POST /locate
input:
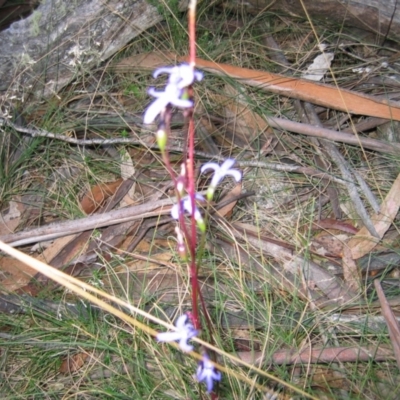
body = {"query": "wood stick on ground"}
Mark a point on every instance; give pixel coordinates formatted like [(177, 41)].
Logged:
[(344, 168), (278, 123), (393, 325), (330, 285), (307, 114), (320, 355), (59, 229), (320, 158)]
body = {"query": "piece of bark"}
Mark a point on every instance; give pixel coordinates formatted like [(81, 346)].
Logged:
[(317, 93), (45, 51)]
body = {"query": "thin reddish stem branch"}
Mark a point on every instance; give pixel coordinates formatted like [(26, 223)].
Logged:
[(190, 172), (192, 33)]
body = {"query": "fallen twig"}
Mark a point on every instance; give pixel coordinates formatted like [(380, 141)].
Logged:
[(342, 164), (59, 229), (278, 123), (325, 355), (327, 283), (392, 324)]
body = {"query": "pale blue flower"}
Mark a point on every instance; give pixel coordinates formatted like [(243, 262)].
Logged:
[(187, 206), (184, 332), (180, 77), (207, 372), (220, 172), (171, 95)]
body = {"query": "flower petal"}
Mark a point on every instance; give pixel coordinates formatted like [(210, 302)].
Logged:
[(154, 109), (163, 70), (169, 336), (228, 164), (184, 346), (208, 166), (182, 321), (181, 103), (198, 75), (235, 174), (175, 211), (207, 372)]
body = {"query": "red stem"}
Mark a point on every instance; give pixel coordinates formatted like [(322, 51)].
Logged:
[(190, 173), (193, 236), (192, 33)]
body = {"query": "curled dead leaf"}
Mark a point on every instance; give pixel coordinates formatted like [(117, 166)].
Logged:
[(97, 195), (73, 363)]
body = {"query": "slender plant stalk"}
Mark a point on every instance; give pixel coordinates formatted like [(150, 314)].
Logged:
[(190, 172)]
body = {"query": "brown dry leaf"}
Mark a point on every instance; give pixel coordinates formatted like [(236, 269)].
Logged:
[(329, 243), (364, 242), (9, 221), (14, 274), (149, 263), (73, 363), (51, 251), (149, 60), (97, 195), (351, 272), (317, 93), (227, 210), (324, 376), (145, 246), (331, 223)]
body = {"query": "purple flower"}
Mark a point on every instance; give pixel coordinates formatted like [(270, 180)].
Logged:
[(187, 206), (171, 95), (180, 77), (220, 172), (207, 372), (184, 332)]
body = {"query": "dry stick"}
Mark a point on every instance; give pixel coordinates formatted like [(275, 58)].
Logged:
[(368, 192), (319, 355), (392, 324), (106, 142), (342, 164), (59, 229), (326, 282), (320, 158), (307, 113), (278, 123), (303, 128)]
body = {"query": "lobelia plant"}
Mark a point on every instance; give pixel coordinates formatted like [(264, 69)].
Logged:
[(178, 92)]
